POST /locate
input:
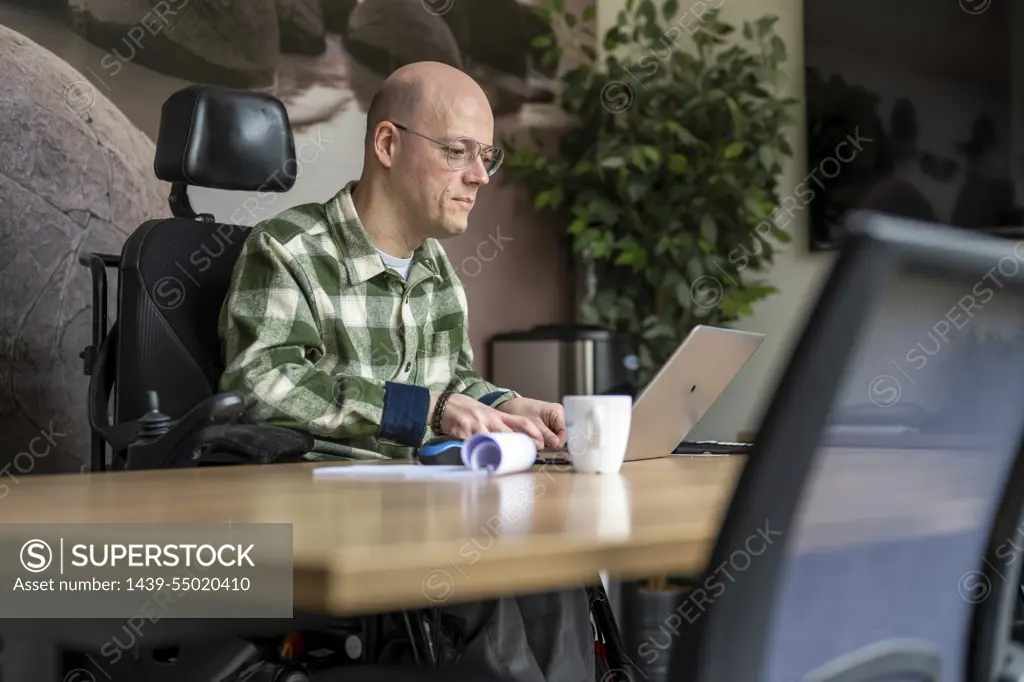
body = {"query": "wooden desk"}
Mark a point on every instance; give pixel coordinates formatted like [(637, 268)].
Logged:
[(368, 546)]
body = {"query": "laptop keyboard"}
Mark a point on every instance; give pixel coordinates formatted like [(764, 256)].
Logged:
[(553, 455), (686, 446)]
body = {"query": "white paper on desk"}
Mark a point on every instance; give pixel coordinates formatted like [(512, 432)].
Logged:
[(400, 472), (488, 454), (499, 453)]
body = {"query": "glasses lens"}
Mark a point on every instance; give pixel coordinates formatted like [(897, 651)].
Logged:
[(464, 151), (497, 155)]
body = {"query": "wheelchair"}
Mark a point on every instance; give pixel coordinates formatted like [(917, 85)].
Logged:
[(159, 364)]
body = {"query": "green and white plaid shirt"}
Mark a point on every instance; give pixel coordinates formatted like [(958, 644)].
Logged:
[(320, 336)]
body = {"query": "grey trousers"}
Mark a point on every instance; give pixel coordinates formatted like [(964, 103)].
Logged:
[(544, 637)]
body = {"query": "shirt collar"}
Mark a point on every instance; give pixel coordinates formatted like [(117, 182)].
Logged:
[(359, 256)]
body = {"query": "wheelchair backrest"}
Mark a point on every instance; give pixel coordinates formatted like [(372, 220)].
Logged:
[(174, 276), (175, 272)]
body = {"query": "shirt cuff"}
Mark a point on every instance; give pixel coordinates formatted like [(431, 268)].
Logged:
[(498, 397), (405, 413)]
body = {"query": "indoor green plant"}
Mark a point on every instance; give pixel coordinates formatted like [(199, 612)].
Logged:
[(670, 168)]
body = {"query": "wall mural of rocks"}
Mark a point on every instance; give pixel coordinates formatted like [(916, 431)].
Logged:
[(81, 86), (76, 177)]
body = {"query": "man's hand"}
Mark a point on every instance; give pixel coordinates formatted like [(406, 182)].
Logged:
[(548, 418), (465, 417)]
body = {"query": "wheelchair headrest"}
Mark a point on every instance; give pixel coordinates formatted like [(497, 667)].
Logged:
[(225, 139)]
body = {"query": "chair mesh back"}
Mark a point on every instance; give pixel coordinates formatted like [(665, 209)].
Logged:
[(892, 527), (175, 275)]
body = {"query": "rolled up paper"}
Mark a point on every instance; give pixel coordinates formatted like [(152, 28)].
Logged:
[(499, 453)]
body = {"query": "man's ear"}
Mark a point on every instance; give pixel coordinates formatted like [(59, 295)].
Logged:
[(385, 143)]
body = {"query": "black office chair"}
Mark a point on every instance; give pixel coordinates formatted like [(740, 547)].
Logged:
[(161, 359), (856, 554)]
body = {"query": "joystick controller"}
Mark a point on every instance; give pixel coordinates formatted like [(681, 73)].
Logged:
[(154, 424), (161, 442)]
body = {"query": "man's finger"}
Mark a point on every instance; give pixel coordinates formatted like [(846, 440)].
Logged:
[(493, 425), (529, 427), (550, 439), (555, 418), (525, 425)]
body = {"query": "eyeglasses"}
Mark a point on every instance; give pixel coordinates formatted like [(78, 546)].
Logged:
[(464, 151)]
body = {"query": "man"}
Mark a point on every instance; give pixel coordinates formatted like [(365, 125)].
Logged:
[(347, 320)]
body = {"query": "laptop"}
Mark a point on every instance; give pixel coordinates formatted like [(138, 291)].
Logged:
[(682, 391)]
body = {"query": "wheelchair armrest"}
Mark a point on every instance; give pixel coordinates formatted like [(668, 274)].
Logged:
[(175, 447)]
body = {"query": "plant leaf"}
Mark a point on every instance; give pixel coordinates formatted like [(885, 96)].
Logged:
[(708, 229), (577, 226), (734, 149), (677, 164)]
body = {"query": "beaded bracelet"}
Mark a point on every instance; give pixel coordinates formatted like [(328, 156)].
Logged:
[(442, 401)]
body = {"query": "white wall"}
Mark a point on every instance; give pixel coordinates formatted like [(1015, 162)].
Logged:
[(797, 273)]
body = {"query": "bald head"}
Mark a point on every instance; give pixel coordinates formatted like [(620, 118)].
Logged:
[(423, 156), (422, 94)]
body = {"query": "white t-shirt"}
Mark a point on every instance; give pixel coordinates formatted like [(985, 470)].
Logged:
[(402, 265)]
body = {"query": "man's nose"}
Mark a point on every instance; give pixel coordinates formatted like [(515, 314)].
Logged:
[(477, 172)]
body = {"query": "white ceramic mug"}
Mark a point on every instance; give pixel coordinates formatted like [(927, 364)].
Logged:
[(597, 430)]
